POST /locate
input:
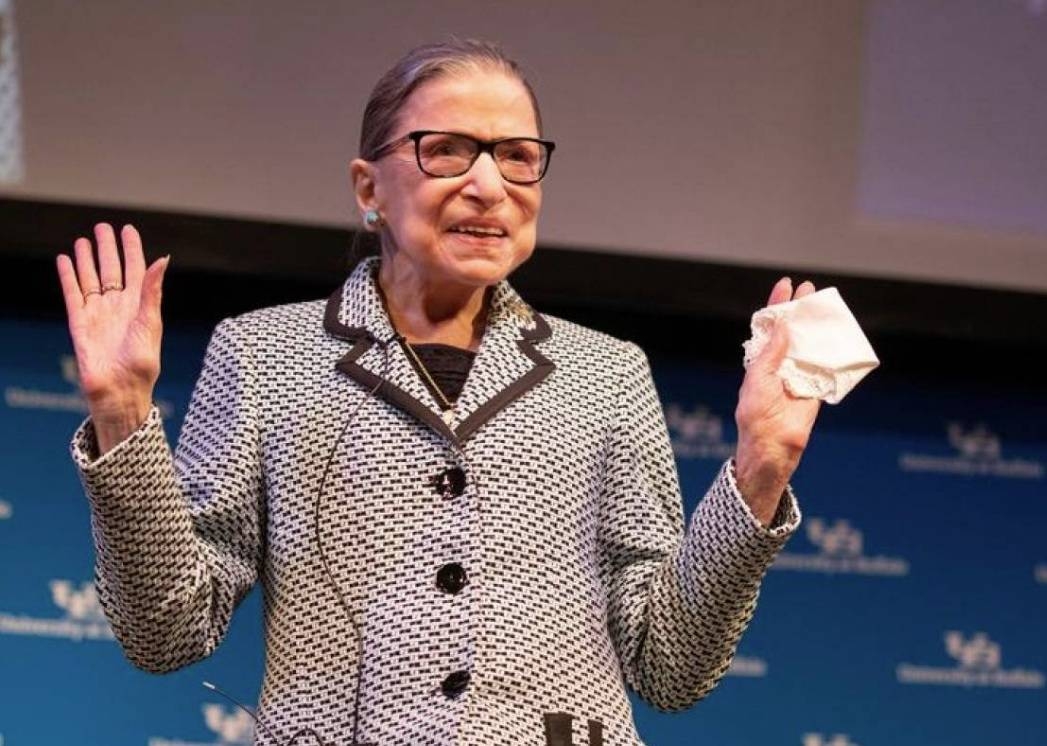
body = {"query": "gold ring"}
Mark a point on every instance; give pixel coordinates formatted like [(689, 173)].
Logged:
[(112, 286)]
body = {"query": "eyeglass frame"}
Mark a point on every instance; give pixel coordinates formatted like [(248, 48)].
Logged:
[(483, 146)]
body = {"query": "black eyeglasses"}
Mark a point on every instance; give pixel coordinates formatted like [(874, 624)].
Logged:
[(520, 160)]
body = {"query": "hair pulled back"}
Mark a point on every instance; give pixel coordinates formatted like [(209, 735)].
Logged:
[(421, 65)]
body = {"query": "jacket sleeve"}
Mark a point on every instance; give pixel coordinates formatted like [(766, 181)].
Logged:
[(178, 537), (678, 601)]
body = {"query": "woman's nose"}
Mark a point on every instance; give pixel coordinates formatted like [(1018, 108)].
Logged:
[(484, 181)]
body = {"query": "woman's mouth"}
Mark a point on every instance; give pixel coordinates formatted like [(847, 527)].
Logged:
[(478, 230)]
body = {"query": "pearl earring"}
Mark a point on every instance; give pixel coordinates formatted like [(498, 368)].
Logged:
[(372, 219)]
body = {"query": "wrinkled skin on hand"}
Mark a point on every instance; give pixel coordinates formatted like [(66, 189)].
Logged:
[(116, 328), (774, 426)]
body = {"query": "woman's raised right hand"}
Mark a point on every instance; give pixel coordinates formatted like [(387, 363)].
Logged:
[(115, 325)]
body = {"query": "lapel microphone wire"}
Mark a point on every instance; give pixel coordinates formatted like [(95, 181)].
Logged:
[(317, 510), (318, 505)]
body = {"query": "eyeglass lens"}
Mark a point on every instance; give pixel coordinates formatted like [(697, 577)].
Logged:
[(441, 154)]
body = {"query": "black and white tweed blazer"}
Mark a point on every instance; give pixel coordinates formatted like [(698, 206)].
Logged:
[(499, 578)]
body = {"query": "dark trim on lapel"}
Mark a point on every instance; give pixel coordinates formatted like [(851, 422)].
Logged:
[(363, 341), (543, 366), (334, 325), (389, 391)]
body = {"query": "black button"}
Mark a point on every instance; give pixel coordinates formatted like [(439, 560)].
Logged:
[(455, 683), (450, 483), (451, 578)]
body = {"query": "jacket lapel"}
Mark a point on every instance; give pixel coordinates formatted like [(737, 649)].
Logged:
[(506, 366), (377, 360)]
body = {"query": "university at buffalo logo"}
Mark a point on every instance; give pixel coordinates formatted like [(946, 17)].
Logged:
[(697, 433), (979, 652), (975, 443), (67, 400), (83, 618), (837, 739), (747, 666), (976, 451), (840, 552), (80, 603), (978, 664), (840, 539), (231, 726)]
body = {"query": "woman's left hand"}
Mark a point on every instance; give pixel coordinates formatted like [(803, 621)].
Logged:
[(773, 425)]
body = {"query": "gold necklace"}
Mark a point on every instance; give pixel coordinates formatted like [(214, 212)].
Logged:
[(445, 404)]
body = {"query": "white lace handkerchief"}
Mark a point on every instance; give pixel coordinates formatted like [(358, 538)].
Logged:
[(828, 353)]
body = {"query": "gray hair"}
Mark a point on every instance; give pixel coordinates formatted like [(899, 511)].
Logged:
[(423, 64)]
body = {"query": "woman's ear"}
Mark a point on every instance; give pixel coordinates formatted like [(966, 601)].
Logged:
[(362, 174)]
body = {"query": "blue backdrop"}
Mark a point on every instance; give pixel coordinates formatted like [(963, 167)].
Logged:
[(908, 610)]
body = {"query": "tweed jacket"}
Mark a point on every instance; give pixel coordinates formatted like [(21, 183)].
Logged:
[(499, 576)]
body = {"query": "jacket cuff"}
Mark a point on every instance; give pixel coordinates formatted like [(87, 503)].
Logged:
[(727, 546), (118, 470), (84, 445), (786, 518)]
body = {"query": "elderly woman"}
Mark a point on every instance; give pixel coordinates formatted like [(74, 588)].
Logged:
[(465, 515)]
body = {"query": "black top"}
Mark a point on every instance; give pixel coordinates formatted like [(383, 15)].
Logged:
[(449, 366)]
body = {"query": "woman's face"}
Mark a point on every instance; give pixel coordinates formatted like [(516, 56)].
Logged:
[(427, 218)]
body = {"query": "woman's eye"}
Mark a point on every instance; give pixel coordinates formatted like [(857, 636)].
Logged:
[(446, 148), (520, 155), (439, 148)]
